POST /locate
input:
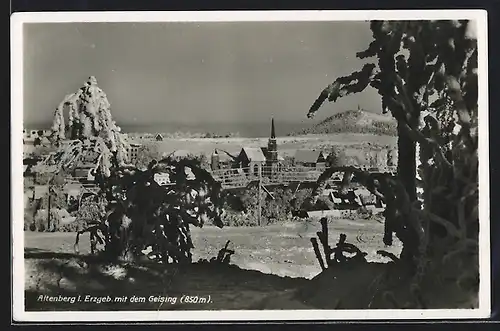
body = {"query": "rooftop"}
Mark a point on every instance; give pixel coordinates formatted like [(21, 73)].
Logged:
[(308, 156), (254, 154)]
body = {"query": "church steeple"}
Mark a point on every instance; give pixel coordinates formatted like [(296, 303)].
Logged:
[(272, 146), (273, 133)]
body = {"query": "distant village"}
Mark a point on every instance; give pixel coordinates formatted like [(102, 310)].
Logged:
[(261, 161)]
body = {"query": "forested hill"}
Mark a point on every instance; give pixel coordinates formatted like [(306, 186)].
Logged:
[(353, 121)]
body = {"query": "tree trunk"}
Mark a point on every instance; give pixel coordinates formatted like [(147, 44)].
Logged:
[(407, 165), (407, 173), (119, 246)]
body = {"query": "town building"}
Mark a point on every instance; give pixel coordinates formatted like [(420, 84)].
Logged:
[(310, 158), (132, 151), (256, 161), (221, 159), (162, 179), (273, 159), (215, 163), (159, 137), (252, 159)]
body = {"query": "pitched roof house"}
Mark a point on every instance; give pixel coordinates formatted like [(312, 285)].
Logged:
[(253, 158), (308, 157), (251, 154)]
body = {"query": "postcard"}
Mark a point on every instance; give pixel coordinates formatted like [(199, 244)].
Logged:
[(250, 166)]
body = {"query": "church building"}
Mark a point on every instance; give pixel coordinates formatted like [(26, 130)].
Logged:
[(257, 161), (272, 165)]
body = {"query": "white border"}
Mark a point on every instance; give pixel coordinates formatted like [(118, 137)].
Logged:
[(17, 20)]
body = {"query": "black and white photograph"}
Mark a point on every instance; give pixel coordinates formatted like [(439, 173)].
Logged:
[(225, 166)]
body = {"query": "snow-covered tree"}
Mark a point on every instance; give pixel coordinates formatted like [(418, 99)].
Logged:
[(89, 117), (426, 75), (140, 213)]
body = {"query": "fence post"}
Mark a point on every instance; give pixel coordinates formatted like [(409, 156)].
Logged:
[(259, 197), (48, 211)]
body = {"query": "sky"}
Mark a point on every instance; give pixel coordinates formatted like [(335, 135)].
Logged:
[(188, 72)]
